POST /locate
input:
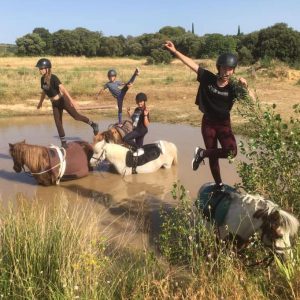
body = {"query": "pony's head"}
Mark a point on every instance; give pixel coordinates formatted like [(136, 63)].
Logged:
[(277, 229), (111, 135), (99, 153), (15, 151)]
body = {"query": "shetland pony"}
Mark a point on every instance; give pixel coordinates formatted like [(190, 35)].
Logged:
[(248, 214), (116, 155), (49, 165)]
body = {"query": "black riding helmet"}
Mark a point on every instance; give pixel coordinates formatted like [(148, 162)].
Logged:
[(140, 97), (227, 60), (43, 63), (111, 73)]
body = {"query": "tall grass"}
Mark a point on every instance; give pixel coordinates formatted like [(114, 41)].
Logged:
[(58, 252)]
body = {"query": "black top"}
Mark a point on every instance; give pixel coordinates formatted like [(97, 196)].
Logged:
[(214, 101), (53, 89), (138, 118)]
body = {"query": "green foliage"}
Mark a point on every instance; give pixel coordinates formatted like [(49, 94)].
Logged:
[(172, 32), (159, 56), (245, 56), (215, 44), (278, 41), (31, 45), (273, 154)]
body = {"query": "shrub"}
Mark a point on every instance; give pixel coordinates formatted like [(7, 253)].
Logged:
[(159, 56), (273, 154)]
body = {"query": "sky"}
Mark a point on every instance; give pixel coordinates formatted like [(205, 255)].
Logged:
[(135, 17)]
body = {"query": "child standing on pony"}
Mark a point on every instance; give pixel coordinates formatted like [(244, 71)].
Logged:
[(215, 98), (60, 99), (114, 86)]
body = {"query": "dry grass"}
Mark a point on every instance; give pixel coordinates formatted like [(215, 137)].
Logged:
[(171, 88)]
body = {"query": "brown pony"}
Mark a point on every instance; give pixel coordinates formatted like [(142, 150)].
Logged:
[(44, 162), (114, 134)]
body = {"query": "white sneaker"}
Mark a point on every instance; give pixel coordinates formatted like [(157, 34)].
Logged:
[(139, 152)]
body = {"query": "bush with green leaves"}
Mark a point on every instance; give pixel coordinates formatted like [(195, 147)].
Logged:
[(272, 152), (159, 56)]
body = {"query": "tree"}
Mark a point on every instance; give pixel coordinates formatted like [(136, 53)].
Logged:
[(278, 41), (172, 32), (31, 45), (46, 36), (189, 44), (65, 42), (215, 44), (111, 46), (159, 56)]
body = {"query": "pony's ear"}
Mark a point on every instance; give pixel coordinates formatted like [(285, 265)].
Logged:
[(260, 213), (10, 145), (23, 142)]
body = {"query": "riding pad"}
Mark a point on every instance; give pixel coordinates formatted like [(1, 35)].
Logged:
[(126, 128), (151, 152), (77, 164), (214, 204)]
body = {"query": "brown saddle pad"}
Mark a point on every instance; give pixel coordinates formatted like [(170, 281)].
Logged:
[(126, 128)]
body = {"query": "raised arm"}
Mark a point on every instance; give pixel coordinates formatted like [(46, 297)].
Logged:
[(186, 60)]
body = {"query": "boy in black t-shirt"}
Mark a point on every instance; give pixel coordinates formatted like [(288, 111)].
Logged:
[(215, 98), (140, 121), (60, 99)]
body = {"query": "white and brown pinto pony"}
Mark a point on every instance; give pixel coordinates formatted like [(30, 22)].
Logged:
[(49, 165), (248, 214), (116, 155)]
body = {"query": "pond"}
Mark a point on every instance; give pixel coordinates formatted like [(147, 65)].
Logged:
[(119, 199)]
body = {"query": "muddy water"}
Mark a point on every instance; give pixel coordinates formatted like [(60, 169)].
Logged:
[(118, 199)]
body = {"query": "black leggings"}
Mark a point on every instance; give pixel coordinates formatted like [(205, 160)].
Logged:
[(121, 96), (58, 106), (212, 131), (135, 138)]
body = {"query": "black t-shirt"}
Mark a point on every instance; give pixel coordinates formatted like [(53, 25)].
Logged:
[(53, 89), (138, 118), (214, 101)]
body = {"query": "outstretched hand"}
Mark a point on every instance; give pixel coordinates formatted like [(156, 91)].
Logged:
[(170, 46)]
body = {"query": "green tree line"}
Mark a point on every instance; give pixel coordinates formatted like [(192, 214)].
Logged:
[(275, 42)]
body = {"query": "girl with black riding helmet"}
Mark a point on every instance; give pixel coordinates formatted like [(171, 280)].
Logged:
[(60, 99), (215, 98), (140, 121), (118, 89)]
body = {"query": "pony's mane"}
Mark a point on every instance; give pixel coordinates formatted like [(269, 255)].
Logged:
[(31, 155), (288, 221)]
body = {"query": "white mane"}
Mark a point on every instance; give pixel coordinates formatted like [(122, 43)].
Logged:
[(289, 222)]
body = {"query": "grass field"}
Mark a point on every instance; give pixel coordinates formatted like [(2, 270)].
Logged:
[(171, 89)]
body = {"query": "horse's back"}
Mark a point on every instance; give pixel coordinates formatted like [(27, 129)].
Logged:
[(77, 165), (171, 149)]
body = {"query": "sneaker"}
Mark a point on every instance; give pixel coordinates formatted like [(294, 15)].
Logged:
[(219, 188), (139, 152), (64, 144), (198, 158), (95, 128)]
